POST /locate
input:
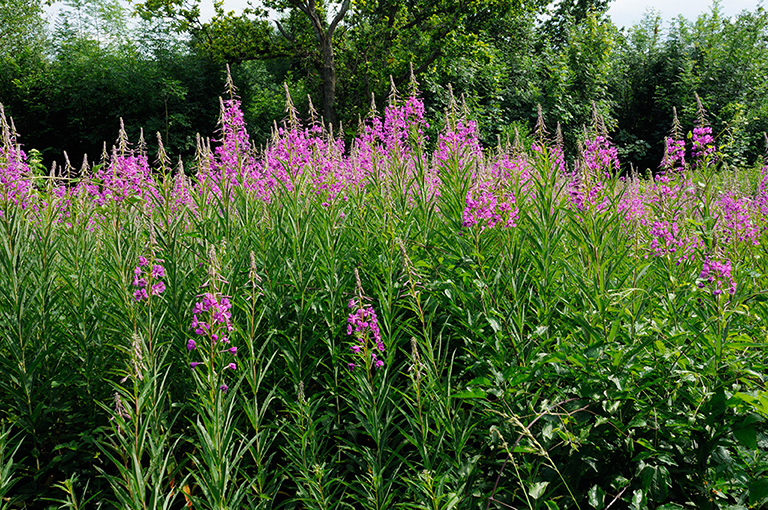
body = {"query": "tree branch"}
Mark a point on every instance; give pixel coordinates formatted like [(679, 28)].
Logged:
[(280, 28), (433, 56), (339, 15)]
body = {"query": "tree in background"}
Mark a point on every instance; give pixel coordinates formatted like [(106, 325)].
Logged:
[(317, 14), (22, 29), (248, 36), (567, 14), (443, 41), (67, 89), (358, 46), (580, 72), (24, 46), (100, 67), (722, 59)]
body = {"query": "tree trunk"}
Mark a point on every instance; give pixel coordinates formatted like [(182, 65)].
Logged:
[(325, 43), (329, 81)]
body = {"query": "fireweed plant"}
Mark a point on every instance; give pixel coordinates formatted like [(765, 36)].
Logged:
[(538, 329)]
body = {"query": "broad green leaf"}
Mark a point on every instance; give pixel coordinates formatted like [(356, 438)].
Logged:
[(758, 491), (476, 393), (537, 489), (596, 497), (656, 482), (747, 436), (638, 500)]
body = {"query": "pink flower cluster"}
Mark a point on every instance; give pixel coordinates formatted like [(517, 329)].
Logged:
[(716, 275), (211, 319), (217, 310), (674, 154), (667, 239), (601, 157), (599, 162), (364, 326), (736, 220), (460, 142), (670, 216), (124, 173), (15, 182), (232, 163), (488, 206), (703, 144), (147, 281)]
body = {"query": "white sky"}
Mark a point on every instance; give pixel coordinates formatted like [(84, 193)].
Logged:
[(627, 12), (622, 12)]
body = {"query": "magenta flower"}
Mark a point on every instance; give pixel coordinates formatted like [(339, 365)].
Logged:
[(674, 154), (218, 310), (364, 325), (703, 143), (717, 276), (199, 327), (211, 321), (140, 280), (158, 288), (191, 345)]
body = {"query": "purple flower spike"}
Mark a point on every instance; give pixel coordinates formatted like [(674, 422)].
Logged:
[(703, 143), (143, 261), (158, 271), (158, 288), (191, 345)]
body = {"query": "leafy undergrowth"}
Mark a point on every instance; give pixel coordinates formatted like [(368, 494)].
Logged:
[(377, 327)]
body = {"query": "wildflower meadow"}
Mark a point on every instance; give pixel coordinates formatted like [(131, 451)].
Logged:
[(384, 321)]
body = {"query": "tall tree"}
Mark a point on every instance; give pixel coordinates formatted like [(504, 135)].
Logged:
[(250, 28), (324, 31), (566, 14), (22, 27), (374, 39), (443, 41)]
